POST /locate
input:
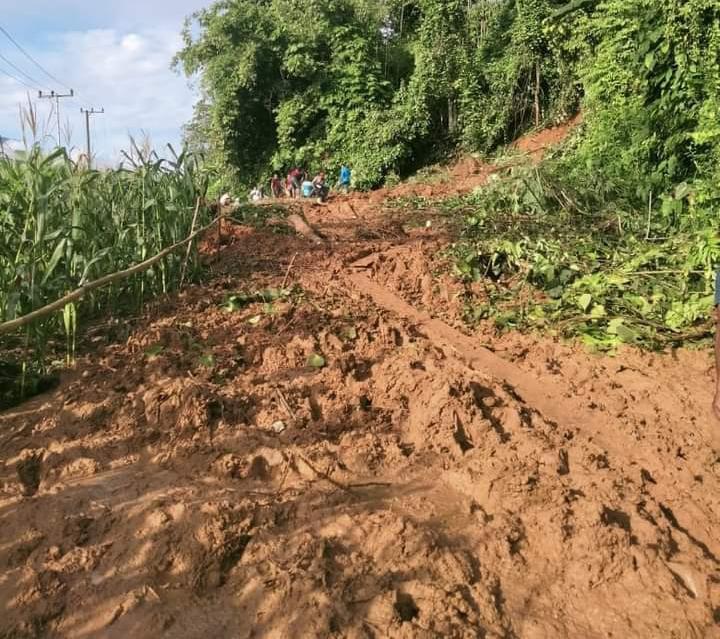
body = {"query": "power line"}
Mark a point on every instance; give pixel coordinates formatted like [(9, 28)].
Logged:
[(19, 70), (18, 80), (33, 60)]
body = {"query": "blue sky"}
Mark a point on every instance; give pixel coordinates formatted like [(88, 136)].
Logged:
[(115, 54)]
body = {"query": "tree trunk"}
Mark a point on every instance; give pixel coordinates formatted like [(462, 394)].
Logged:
[(537, 93), (452, 115)]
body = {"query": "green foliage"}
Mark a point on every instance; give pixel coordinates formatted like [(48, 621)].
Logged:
[(614, 240), (64, 226), (389, 85), (609, 277), (288, 82), (316, 361), (651, 88), (240, 300), (521, 72), (384, 85)]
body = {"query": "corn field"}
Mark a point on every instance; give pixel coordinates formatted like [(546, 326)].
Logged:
[(62, 226)]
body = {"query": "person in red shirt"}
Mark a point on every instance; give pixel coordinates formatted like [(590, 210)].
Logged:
[(295, 178), (276, 187)]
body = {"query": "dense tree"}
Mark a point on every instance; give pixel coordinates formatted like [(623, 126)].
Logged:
[(388, 85)]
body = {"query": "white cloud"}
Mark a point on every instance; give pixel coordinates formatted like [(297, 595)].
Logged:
[(126, 72), (132, 42)]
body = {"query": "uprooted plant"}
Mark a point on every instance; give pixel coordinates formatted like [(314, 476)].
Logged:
[(609, 277)]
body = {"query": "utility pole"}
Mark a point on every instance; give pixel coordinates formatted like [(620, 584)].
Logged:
[(88, 113), (57, 96)]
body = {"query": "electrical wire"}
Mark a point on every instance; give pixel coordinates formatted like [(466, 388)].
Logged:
[(16, 68), (18, 80), (33, 60)]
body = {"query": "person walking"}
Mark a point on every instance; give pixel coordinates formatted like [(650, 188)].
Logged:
[(295, 178), (276, 187), (345, 178)]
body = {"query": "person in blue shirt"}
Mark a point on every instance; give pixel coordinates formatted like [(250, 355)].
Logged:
[(345, 178), (307, 188)]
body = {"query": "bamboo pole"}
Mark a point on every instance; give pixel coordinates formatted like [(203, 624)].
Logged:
[(189, 246), (8, 327)]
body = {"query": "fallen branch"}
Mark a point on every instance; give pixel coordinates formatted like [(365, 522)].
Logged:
[(321, 474), (8, 327), (345, 487), (285, 405), (304, 229), (287, 273)]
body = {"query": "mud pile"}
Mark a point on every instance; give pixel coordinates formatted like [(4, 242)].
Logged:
[(345, 459)]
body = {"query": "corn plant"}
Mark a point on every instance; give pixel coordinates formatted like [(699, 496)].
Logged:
[(63, 226)]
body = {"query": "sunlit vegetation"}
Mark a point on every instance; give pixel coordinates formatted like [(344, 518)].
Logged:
[(63, 226)]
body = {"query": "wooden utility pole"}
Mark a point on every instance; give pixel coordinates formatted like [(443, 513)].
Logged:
[(57, 96), (88, 113)]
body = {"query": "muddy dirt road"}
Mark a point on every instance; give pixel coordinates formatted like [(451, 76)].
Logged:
[(348, 460)]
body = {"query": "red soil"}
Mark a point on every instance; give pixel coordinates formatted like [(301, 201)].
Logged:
[(196, 477)]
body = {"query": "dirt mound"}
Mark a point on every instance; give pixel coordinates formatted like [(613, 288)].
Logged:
[(345, 211), (261, 489), (535, 144), (466, 167), (314, 445)]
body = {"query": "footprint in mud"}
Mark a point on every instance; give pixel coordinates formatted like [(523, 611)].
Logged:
[(360, 369), (486, 400), (405, 607), (260, 469), (220, 544), (617, 518), (29, 470)]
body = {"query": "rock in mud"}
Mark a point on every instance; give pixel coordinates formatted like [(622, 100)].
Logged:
[(278, 427), (29, 470)]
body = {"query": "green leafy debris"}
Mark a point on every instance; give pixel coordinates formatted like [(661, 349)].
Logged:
[(207, 360), (601, 277), (350, 333), (316, 361), (240, 301), (154, 350)]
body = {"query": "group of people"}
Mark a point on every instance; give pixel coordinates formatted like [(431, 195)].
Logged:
[(298, 184)]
